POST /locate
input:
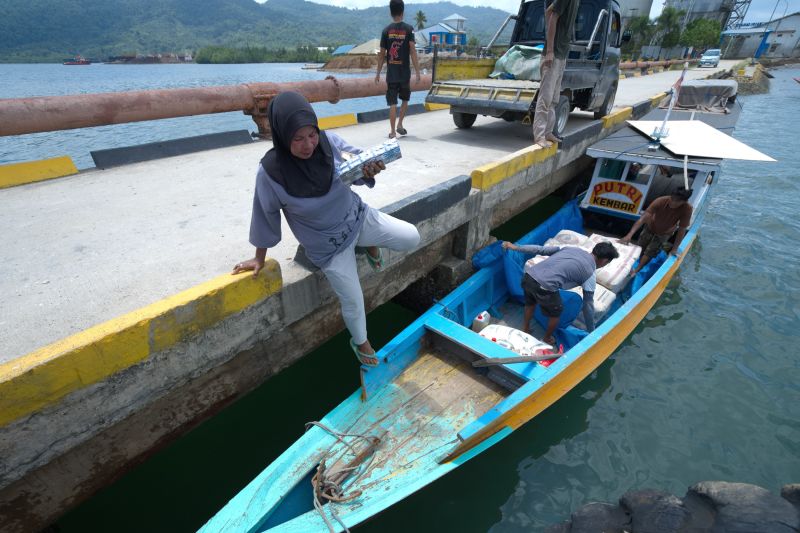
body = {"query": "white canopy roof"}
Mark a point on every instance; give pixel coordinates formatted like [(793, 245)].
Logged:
[(696, 138)]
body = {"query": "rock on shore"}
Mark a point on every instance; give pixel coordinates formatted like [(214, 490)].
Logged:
[(713, 506)]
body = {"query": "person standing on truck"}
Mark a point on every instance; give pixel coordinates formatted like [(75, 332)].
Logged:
[(559, 24), (397, 46)]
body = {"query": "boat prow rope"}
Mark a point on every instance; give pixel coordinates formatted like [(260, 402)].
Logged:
[(328, 482)]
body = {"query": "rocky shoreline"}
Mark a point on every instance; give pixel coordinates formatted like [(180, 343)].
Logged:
[(708, 506)]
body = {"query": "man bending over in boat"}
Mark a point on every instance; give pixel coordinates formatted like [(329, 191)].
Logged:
[(664, 215), (567, 267)]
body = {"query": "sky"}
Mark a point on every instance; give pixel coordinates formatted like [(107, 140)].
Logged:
[(759, 11)]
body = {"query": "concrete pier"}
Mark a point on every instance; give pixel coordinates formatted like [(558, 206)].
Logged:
[(122, 327)]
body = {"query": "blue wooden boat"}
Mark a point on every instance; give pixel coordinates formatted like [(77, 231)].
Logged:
[(436, 400)]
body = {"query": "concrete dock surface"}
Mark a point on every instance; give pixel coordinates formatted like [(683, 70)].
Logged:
[(83, 249)]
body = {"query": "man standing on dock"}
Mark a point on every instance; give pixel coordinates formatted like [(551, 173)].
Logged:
[(559, 23), (397, 46)]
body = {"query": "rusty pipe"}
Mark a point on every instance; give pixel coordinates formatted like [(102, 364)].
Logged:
[(627, 65), (53, 113)]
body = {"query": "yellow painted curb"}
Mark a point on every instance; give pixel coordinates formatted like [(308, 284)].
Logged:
[(489, 175), (44, 376), (33, 171), (337, 121), (436, 107), (656, 100), (618, 116)]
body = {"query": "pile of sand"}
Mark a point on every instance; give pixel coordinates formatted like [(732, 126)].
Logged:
[(366, 63)]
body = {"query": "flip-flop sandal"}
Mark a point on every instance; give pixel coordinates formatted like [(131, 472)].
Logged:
[(363, 358), (402, 131), (376, 262)]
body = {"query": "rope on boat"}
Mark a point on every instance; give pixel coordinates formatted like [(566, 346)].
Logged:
[(328, 482)]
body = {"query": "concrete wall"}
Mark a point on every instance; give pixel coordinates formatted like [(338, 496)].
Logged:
[(97, 404)]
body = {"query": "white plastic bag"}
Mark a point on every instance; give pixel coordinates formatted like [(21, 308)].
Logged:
[(515, 340)]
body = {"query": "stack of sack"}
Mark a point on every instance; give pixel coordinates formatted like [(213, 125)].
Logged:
[(611, 279), (616, 274), (603, 300), (567, 237)]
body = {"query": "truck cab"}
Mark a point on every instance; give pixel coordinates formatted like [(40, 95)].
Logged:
[(590, 77)]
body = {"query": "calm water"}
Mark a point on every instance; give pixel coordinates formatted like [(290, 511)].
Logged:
[(17, 81), (707, 387)]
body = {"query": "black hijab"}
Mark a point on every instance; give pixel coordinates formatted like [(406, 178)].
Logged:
[(303, 178)]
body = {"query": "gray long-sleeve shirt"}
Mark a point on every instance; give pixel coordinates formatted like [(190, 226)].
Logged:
[(323, 225), (568, 267)]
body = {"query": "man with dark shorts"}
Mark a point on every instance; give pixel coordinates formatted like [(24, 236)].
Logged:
[(661, 219), (397, 46), (567, 267)]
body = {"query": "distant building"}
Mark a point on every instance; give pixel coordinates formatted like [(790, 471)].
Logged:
[(446, 34), (777, 39), (343, 49)]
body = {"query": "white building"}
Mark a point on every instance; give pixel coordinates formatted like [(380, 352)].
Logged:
[(446, 34), (777, 39)]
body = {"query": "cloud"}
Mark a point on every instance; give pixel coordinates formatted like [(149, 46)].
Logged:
[(512, 6)]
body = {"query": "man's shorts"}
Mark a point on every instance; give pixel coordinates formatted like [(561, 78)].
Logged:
[(395, 89), (651, 243), (550, 301)]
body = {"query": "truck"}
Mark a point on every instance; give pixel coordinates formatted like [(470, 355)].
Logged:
[(590, 78)]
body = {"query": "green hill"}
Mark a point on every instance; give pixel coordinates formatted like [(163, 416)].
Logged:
[(50, 30)]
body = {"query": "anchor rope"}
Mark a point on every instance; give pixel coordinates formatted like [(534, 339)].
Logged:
[(328, 482)]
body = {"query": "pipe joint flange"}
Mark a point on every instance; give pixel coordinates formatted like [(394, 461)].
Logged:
[(259, 113), (338, 90)]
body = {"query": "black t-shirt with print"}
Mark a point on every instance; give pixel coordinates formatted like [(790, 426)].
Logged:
[(396, 39)]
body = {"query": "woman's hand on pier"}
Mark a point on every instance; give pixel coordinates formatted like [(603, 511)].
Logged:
[(255, 264), (372, 168)]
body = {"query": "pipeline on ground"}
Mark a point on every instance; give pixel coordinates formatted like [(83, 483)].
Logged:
[(54, 113)]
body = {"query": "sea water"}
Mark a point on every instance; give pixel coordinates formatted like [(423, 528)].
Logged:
[(24, 81), (707, 387)]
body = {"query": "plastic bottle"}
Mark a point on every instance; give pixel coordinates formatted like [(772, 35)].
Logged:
[(481, 321)]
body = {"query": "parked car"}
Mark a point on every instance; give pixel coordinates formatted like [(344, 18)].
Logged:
[(710, 58)]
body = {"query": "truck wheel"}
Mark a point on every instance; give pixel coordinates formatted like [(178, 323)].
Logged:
[(562, 115), (464, 120), (608, 103)]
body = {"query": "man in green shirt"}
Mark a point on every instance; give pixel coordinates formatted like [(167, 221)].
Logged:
[(559, 24)]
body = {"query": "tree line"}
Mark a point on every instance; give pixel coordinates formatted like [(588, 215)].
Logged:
[(667, 30)]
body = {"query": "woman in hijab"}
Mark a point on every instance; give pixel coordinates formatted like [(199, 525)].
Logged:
[(298, 176)]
